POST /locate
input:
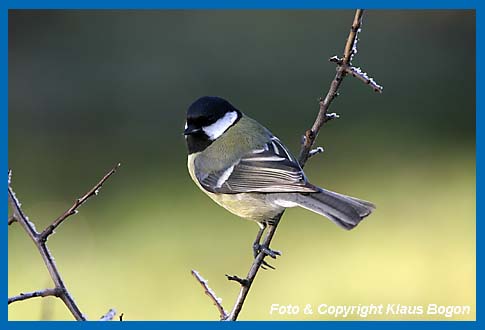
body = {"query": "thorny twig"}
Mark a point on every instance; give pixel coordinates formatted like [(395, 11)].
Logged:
[(212, 295), (39, 239), (344, 67), (73, 209)]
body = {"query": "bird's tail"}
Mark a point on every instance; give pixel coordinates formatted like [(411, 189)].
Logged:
[(345, 211)]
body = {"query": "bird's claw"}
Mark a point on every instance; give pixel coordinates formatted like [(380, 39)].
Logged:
[(257, 248), (265, 265), (272, 253)]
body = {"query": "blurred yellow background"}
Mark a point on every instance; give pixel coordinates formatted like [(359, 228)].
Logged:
[(90, 89)]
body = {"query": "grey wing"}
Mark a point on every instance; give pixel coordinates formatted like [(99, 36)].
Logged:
[(272, 169)]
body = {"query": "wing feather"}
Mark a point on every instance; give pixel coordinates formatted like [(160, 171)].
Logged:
[(269, 170)]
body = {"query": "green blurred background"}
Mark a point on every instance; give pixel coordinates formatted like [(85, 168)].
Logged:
[(88, 89)]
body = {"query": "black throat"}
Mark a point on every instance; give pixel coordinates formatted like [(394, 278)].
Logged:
[(197, 142)]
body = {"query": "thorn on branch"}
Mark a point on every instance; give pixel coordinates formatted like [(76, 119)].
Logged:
[(336, 59), (315, 151), (109, 315), (235, 278), (362, 76), (331, 116), (11, 220), (212, 295)]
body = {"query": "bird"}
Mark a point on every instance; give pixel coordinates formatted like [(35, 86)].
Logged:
[(247, 170)]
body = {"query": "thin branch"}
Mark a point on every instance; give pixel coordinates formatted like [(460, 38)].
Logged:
[(29, 227), (212, 295), (235, 278), (344, 66), (310, 136), (39, 240), (40, 293), (19, 214), (351, 45), (73, 209), (258, 261), (362, 76)]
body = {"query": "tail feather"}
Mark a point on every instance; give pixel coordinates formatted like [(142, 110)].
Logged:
[(345, 211)]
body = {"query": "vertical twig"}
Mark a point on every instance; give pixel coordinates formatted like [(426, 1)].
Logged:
[(256, 265), (344, 66)]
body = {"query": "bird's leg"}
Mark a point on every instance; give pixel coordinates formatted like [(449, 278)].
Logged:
[(258, 247), (257, 241)]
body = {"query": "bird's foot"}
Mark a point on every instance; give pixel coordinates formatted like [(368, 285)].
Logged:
[(259, 248)]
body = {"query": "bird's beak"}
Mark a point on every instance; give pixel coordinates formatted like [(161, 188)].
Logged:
[(191, 130)]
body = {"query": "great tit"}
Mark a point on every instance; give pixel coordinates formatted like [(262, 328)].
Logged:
[(247, 170)]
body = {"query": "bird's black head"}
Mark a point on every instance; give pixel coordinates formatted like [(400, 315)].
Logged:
[(207, 119)]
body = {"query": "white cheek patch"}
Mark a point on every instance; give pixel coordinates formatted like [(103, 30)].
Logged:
[(219, 127)]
